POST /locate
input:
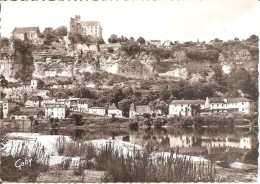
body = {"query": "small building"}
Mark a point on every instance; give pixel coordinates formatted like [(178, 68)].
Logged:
[(55, 111), (34, 83), (25, 115), (8, 107), (34, 101), (139, 110), (154, 42), (47, 101), (167, 44), (26, 33), (113, 111), (101, 111)]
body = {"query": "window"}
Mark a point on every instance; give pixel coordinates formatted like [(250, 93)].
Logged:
[(217, 105), (181, 105), (242, 103), (222, 105)]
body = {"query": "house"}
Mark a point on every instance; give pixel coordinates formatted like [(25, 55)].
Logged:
[(34, 101), (154, 42), (34, 83), (26, 33), (223, 105), (167, 44), (101, 111), (92, 28), (113, 111), (55, 111), (184, 107), (47, 100), (25, 115), (211, 105), (139, 110), (72, 103), (8, 107), (83, 105)]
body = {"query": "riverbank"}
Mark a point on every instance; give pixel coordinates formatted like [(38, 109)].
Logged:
[(237, 171)]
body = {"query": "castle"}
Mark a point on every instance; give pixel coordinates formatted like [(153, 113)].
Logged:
[(92, 28)]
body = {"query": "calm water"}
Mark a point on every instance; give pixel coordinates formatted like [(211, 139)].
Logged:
[(235, 145)]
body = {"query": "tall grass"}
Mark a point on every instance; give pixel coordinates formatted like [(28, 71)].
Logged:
[(40, 162), (140, 166)]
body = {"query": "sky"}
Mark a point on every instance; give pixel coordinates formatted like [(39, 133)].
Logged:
[(182, 20)]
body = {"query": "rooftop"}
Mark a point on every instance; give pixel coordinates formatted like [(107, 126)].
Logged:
[(112, 107), (188, 102), (22, 30)]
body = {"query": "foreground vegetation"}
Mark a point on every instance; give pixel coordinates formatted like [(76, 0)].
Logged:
[(135, 166), (138, 166)]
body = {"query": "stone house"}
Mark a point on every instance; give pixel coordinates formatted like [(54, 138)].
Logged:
[(139, 110), (25, 115), (26, 33), (113, 111), (34, 101), (101, 111)]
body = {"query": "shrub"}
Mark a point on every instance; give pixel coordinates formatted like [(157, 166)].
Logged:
[(65, 163), (134, 125), (110, 50), (187, 122), (147, 115)]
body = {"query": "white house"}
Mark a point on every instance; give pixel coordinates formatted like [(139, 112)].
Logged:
[(101, 111), (114, 111), (210, 105), (34, 83), (229, 104), (83, 105), (183, 107), (55, 111)]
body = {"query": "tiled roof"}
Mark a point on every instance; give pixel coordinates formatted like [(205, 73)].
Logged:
[(228, 100), (54, 105), (188, 102), (23, 30), (96, 108), (83, 100), (143, 109), (112, 107)]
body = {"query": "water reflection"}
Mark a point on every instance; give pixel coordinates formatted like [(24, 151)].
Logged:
[(212, 143)]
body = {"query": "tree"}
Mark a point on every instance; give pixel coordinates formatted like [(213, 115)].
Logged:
[(3, 81), (61, 31), (131, 48), (112, 38), (40, 83), (50, 35), (131, 39), (4, 42), (141, 40), (77, 119), (124, 105), (110, 49)]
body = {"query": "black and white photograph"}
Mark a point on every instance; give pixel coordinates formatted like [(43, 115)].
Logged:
[(137, 91)]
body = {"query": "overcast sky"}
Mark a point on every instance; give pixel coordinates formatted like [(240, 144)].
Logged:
[(182, 20)]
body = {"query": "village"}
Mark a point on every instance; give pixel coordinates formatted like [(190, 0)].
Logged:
[(42, 109)]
